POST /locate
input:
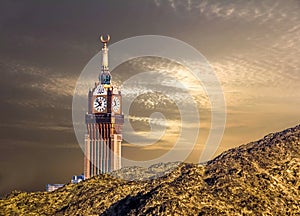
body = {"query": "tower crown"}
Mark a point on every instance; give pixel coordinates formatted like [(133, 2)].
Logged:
[(105, 76)]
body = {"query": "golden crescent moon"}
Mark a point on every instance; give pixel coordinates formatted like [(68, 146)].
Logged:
[(104, 40)]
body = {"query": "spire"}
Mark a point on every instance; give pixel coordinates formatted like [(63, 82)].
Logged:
[(105, 75)]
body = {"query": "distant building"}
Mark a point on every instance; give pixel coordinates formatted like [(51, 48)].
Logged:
[(52, 187), (76, 179)]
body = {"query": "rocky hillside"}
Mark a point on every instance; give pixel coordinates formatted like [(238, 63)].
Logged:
[(259, 178)]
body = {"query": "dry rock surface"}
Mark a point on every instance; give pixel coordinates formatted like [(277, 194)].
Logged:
[(259, 178)]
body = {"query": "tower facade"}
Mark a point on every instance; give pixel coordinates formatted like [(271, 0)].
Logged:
[(104, 121)]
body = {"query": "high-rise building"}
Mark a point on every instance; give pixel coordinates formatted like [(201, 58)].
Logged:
[(104, 121)]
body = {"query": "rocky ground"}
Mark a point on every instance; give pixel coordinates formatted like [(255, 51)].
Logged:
[(259, 178)]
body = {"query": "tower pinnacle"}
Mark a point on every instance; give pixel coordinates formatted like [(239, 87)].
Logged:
[(105, 75), (105, 51)]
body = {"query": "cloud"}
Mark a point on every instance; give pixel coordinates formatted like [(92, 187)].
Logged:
[(40, 78), (262, 11)]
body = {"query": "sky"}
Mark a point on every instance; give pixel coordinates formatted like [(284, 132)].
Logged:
[(253, 47)]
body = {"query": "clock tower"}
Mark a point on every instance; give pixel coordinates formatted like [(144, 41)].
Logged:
[(104, 121)]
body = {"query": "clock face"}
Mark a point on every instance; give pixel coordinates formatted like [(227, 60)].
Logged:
[(100, 104), (116, 105)]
